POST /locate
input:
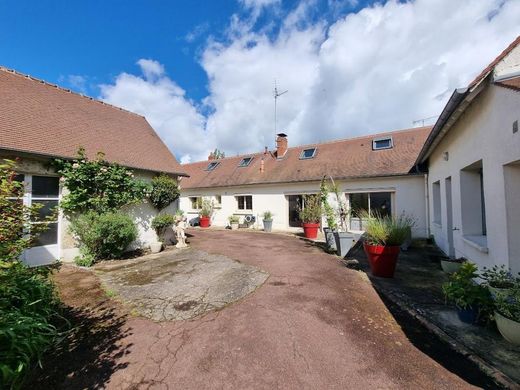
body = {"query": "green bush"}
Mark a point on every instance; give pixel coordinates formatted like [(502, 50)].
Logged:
[(104, 236), (85, 260), (162, 222), (29, 311), (268, 216), (312, 210), (165, 190)]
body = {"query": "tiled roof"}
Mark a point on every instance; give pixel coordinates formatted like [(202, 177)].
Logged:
[(349, 158), (41, 118), (512, 83)]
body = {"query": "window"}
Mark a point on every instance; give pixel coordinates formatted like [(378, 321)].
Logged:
[(244, 202), (196, 202), (473, 207), (373, 202), (436, 195), (212, 165), (307, 153), (245, 161), (45, 192), (382, 143), (218, 201)]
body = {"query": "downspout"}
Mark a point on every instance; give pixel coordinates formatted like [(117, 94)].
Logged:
[(427, 198)]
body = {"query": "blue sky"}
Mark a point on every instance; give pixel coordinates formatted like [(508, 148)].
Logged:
[(202, 72)]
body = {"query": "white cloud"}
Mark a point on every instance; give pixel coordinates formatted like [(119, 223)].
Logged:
[(75, 82), (378, 69)]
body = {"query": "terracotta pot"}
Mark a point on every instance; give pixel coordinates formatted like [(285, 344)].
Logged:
[(382, 259), (204, 222), (508, 328), (311, 230)]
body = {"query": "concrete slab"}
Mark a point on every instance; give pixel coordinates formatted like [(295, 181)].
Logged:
[(179, 284)]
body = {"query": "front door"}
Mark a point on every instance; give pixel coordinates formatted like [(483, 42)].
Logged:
[(295, 204)]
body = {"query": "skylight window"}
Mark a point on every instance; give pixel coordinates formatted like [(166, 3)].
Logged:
[(245, 161), (307, 153), (212, 165), (382, 143)]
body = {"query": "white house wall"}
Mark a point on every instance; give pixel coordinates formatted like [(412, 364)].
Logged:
[(484, 132), (408, 197)]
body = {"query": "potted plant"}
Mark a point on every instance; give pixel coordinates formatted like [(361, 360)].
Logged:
[(160, 223), (450, 265), (330, 216), (507, 314), (268, 221), (470, 298), (383, 237), (499, 280), (205, 213), (310, 215), (233, 221)]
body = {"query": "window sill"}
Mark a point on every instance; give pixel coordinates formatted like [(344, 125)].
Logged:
[(244, 212), (477, 242)]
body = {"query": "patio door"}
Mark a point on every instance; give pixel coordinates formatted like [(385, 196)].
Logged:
[(295, 204), (43, 190)]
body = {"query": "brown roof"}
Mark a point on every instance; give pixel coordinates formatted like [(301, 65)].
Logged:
[(41, 118), (512, 83), (349, 158)]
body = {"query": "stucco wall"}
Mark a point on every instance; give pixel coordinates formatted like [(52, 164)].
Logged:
[(484, 132), (409, 197)]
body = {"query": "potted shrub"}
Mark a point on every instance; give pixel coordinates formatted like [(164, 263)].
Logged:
[(470, 298), (310, 215), (499, 280), (330, 216), (383, 237), (450, 265), (507, 314), (205, 213), (233, 221), (268, 221), (160, 223)]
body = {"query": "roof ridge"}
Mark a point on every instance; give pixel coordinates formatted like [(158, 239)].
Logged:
[(62, 89), (254, 154)]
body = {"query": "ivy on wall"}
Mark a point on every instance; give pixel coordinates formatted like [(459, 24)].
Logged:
[(165, 190)]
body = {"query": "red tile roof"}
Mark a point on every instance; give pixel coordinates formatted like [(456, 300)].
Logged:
[(349, 158), (41, 118)]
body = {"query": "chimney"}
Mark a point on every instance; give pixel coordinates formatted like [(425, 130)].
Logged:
[(262, 165), (265, 151), (211, 156), (281, 145)]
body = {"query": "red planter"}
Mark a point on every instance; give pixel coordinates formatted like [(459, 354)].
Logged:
[(311, 230), (204, 222), (382, 259)]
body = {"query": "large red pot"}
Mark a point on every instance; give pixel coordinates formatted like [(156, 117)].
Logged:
[(204, 222), (311, 230), (382, 259)]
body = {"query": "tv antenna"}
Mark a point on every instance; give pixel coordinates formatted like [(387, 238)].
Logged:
[(277, 94), (423, 120)]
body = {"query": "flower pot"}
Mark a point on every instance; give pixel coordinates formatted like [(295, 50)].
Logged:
[(329, 238), (234, 225), (204, 222), (268, 225), (311, 230), (344, 241), (509, 329), (450, 266), (497, 292), (382, 259), (156, 247), (469, 315)]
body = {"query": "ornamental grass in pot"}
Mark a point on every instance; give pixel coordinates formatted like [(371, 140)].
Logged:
[(471, 299), (310, 215), (205, 213), (383, 237), (234, 221), (507, 314), (268, 221)]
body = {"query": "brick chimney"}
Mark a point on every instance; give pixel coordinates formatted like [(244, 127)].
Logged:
[(281, 145), (262, 165), (211, 156)]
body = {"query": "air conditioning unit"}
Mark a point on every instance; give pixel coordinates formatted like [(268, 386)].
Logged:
[(249, 220)]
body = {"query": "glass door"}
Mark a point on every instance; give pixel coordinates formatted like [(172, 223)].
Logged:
[(295, 204)]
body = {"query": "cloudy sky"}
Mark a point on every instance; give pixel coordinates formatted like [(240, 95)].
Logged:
[(350, 67)]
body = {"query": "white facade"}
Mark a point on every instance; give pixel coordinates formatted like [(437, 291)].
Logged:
[(407, 196), (480, 155)]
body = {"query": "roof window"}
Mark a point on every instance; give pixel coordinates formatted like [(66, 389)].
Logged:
[(382, 143), (245, 161), (307, 153), (212, 165)]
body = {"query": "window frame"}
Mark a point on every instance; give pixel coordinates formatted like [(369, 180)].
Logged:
[(302, 153), (376, 140), (198, 202), (242, 163), (369, 203), (212, 166), (244, 203)]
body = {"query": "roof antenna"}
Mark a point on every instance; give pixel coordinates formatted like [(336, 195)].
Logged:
[(276, 96), (423, 120)]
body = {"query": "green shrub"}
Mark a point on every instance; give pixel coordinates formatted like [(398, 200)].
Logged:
[(234, 219), (29, 310), (268, 216), (165, 190), (312, 210), (162, 222), (85, 260), (387, 230), (104, 236), (509, 304)]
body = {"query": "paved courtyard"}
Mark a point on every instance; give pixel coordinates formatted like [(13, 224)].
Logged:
[(313, 324)]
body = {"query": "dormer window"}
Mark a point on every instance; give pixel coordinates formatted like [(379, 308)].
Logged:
[(307, 153), (212, 165), (245, 161), (382, 143)]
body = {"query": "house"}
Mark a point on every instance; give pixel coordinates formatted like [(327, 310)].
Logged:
[(375, 172), (40, 121), (473, 157)]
